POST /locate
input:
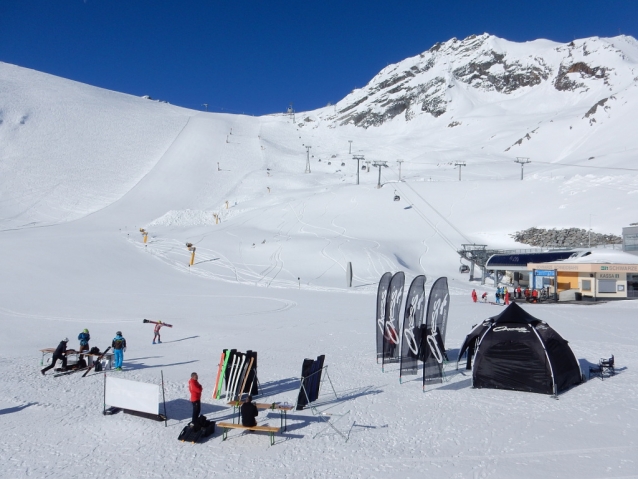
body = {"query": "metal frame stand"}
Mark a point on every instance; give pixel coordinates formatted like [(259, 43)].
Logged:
[(322, 414)]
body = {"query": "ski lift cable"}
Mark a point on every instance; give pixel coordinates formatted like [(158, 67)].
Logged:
[(432, 225), (437, 212)]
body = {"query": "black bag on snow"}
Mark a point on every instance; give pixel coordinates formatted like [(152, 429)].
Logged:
[(207, 427), (189, 434)]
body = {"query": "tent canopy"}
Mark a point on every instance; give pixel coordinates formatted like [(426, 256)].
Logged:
[(515, 350)]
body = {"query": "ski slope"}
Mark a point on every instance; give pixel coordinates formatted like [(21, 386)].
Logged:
[(83, 169)]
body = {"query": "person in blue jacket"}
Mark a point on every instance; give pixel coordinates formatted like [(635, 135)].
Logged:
[(84, 337), (119, 346)]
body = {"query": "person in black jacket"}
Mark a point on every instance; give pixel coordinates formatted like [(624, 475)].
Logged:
[(249, 413), (60, 353)]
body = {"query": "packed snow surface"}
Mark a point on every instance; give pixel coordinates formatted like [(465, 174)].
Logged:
[(83, 169)]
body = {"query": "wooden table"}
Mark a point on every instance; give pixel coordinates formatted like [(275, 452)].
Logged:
[(282, 408)]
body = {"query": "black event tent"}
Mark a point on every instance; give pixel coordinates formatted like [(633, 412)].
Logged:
[(517, 351)]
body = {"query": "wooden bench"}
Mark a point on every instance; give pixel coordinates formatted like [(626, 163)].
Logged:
[(228, 425)]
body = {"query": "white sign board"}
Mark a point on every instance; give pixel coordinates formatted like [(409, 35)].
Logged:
[(132, 395)]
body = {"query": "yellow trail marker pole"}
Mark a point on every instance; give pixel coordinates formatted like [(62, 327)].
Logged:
[(192, 249)]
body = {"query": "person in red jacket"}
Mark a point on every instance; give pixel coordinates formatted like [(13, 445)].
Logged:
[(474, 295), (534, 296), (196, 395)]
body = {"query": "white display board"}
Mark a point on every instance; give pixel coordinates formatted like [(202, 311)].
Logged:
[(132, 395)]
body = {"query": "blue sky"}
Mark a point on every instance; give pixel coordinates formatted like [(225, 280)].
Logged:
[(256, 57)]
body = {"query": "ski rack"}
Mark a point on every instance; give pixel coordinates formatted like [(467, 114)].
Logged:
[(322, 414)]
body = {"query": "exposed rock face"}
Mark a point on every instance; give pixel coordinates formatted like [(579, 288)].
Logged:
[(564, 237), (430, 83), (564, 82)]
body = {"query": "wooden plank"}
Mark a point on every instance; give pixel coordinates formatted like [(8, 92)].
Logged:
[(229, 425)]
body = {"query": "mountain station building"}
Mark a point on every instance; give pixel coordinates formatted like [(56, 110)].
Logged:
[(600, 274)]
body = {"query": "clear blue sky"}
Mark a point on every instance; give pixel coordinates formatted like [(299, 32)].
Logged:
[(258, 56)]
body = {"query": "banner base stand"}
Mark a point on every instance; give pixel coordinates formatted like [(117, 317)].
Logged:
[(146, 415), (110, 411)]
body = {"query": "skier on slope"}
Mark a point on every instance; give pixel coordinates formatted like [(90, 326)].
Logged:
[(156, 332), (474, 295), (196, 396), (119, 347), (84, 337), (60, 353)]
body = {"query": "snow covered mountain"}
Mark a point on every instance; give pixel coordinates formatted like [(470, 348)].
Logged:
[(459, 76)]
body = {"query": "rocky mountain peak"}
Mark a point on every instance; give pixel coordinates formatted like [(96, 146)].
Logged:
[(483, 66)]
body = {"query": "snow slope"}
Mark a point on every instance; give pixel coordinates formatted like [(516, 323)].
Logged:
[(83, 169)]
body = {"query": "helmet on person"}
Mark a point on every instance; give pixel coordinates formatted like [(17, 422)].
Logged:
[(65, 340), (119, 333), (159, 322), (85, 331)]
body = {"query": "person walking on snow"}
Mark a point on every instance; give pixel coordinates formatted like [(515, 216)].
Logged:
[(484, 297), (497, 296), (474, 295), (507, 297), (156, 332), (196, 396), (59, 353), (119, 347), (84, 337)]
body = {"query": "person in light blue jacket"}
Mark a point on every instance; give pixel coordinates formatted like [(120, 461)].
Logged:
[(119, 346)]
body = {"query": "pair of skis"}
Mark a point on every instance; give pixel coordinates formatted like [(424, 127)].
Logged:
[(87, 369), (157, 322), (235, 368)]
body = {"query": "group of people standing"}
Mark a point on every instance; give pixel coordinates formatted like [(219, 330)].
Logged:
[(501, 294), (60, 354)]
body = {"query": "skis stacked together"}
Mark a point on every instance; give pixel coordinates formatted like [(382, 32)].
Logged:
[(236, 375)]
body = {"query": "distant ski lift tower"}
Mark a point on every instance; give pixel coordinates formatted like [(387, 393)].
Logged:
[(399, 162), (460, 164), (359, 158), (291, 112), (350, 148), (379, 164), (308, 159), (523, 161)]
